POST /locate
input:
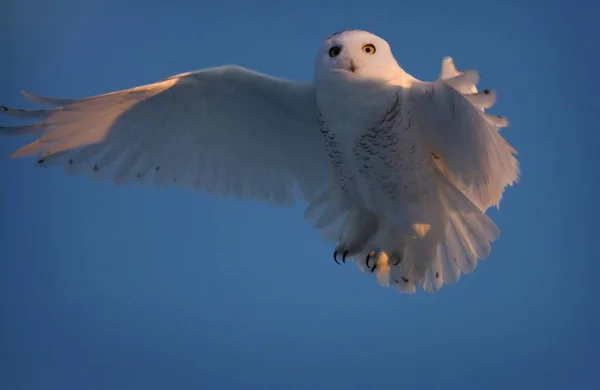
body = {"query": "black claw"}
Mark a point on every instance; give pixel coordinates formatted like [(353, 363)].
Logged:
[(344, 257), (367, 262), (335, 257), (399, 260), (4, 108), (374, 267)]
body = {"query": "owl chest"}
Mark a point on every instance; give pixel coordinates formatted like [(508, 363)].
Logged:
[(385, 157), (392, 158), (337, 146)]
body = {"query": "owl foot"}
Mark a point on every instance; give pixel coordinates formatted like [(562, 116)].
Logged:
[(353, 241), (372, 256)]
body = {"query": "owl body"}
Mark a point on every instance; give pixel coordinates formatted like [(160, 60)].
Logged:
[(379, 160)]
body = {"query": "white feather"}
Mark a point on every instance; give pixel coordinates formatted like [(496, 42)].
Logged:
[(471, 151), (401, 180), (227, 131)]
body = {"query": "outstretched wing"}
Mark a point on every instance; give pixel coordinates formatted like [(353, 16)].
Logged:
[(463, 138), (227, 131)]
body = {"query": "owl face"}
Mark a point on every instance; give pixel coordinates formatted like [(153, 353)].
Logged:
[(355, 55)]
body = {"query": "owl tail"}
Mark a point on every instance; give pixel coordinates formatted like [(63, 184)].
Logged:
[(444, 253), (465, 238)]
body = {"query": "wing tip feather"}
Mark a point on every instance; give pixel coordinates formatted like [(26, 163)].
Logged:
[(29, 150)]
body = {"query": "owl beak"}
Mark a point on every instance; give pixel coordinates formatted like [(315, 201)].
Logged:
[(352, 66), (346, 67)]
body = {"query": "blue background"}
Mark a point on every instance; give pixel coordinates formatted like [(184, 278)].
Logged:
[(106, 287)]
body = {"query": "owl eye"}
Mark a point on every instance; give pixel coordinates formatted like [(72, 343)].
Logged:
[(368, 48), (334, 51)]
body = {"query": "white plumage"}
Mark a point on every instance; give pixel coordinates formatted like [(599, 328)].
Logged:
[(398, 172)]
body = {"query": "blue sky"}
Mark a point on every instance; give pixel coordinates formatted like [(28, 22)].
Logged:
[(106, 287)]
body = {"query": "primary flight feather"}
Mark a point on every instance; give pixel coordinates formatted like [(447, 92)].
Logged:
[(396, 171)]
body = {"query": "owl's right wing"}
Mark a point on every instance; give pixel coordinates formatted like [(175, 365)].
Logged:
[(226, 131)]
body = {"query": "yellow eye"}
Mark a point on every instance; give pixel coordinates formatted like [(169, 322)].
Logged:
[(369, 49), (334, 51)]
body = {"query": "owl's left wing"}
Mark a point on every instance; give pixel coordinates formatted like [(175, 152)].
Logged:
[(463, 139)]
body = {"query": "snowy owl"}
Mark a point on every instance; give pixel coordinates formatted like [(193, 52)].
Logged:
[(397, 173)]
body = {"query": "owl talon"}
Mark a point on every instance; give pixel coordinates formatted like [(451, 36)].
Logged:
[(369, 256), (335, 257), (399, 260)]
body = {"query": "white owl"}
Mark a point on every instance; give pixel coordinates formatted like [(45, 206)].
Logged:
[(396, 171)]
